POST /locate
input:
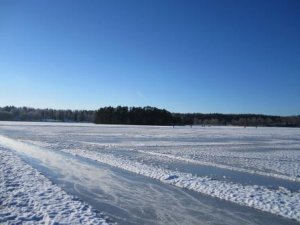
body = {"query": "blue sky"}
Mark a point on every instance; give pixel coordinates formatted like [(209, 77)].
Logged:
[(186, 56)]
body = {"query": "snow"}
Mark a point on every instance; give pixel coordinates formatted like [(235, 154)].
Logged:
[(273, 152), (257, 163), (270, 152), (27, 197), (280, 202)]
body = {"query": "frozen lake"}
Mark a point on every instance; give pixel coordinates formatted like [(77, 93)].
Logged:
[(165, 175)]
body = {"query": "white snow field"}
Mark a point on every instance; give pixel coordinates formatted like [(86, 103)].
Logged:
[(27, 197), (255, 168)]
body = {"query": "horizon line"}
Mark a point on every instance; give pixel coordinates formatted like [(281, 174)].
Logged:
[(65, 109)]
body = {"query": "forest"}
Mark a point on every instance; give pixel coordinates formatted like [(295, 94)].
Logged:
[(144, 116), (12, 113)]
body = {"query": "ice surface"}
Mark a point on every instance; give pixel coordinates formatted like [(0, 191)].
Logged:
[(280, 202), (266, 151), (273, 152), (27, 197)]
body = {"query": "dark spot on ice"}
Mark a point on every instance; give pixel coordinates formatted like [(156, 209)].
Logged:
[(171, 177)]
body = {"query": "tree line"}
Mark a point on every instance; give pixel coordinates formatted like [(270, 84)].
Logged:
[(144, 116), (212, 119), (133, 115), (12, 113)]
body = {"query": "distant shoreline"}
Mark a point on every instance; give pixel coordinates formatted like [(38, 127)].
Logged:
[(123, 115)]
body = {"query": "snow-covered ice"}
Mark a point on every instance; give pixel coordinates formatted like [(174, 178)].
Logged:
[(271, 152), (27, 197), (280, 202)]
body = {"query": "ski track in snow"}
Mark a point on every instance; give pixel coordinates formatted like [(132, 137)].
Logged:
[(27, 197)]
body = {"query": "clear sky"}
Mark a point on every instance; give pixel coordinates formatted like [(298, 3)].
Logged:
[(186, 56)]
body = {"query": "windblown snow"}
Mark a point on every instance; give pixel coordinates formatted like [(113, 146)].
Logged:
[(27, 197), (151, 151), (280, 202)]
